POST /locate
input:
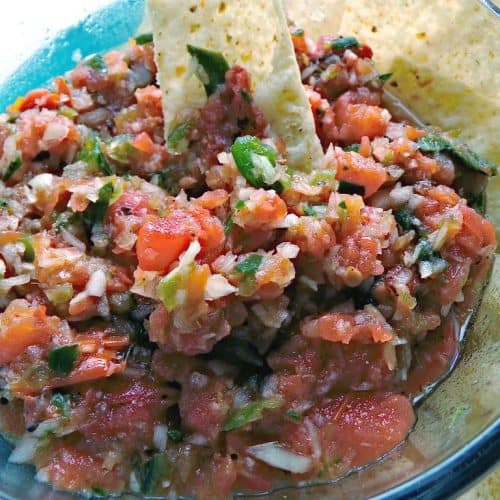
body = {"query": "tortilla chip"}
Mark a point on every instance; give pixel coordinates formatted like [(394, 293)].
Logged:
[(252, 34), (444, 58)]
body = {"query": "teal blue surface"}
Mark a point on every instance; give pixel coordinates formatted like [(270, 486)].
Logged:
[(100, 31)]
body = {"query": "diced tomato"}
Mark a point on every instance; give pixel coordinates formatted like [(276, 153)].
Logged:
[(432, 357), (40, 98), (21, 326), (357, 113), (213, 199), (355, 429), (162, 240), (347, 327), (364, 51), (143, 143), (131, 202), (299, 40), (476, 232), (71, 468), (204, 407), (123, 407), (357, 169)]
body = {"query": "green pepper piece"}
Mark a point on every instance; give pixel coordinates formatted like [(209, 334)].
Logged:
[(212, 68)]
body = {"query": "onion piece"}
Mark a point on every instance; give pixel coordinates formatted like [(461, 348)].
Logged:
[(218, 286), (275, 455), (73, 240), (7, 283), (25, 450), (96, 286)]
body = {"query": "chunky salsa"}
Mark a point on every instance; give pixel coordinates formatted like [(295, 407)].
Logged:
[(212, 320)]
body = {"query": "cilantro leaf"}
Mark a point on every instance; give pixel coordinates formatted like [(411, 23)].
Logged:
[(63, 359), (347, 187), (352, 148), (92, 155), (96, 61), (250, 265)]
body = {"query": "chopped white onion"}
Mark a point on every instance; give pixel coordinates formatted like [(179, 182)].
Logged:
[(275, 455), (289, 220), (73, 240), (7, 283), (218, 286), (55, 132), (25, 450), (288, 250), (42, 475), (96, 286), (160, 437), (41, 182)]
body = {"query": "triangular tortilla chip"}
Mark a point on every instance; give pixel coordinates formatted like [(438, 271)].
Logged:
[(253, 34)]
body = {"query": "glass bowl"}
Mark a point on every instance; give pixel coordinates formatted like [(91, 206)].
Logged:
[(456, 438)]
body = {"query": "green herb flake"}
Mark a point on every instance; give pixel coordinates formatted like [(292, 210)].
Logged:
[(120, 149), (177, 138), (13, 167), (460, 413), (343, 43), (250, 413), (98, 492), (4, 203), (309, 210), (256, 161), (298, 32), (151, 473), (175, 435), (63, 359), (250, 265), (384, 77), (29, 251), (245, 95), (435, 142), (424, 249), (294, 415), (95, 212), (96, 61), (68, 112), (144, 38), (477, 201), (405, 218), (347, 187), (352, 148), (92, 155), (212, 68), (343, 205), (62, 402), (239, 205), (63, 219), (228, 225)]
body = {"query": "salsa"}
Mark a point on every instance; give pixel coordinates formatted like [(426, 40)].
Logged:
[(212, 320)]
